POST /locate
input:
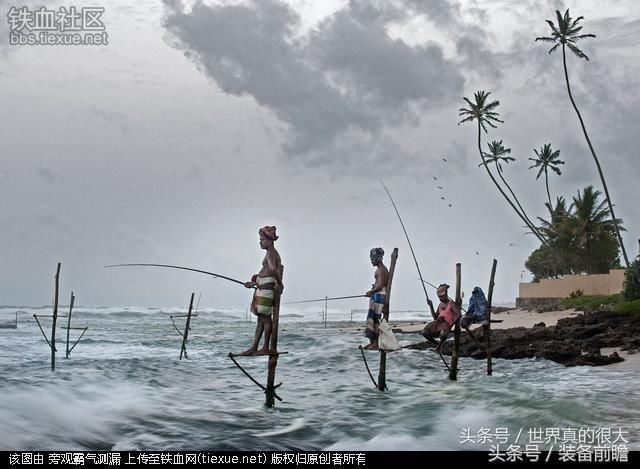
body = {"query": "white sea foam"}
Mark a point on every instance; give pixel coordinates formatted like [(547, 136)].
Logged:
[(296, 425)]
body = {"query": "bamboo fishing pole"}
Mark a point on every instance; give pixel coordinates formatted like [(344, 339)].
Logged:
[(180, 268), (324, 299), (413, 254)]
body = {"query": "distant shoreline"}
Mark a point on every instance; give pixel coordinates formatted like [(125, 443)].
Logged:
[(568, 337)]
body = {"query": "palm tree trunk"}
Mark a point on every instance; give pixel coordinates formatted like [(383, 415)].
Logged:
[(484, 163), (595, 158), (515, 198), (546, 181)]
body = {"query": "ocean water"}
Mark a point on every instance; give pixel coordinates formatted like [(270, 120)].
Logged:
[(123, 388)]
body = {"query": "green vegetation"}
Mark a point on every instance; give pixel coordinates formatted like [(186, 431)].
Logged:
[(566, 33), (598, 302), (485, 113), (632, 281), (628, 307), (546, 159), (581, 235), (592, 302), (581, 238)]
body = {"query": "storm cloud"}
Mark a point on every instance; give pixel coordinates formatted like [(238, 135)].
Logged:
[(335, 87)]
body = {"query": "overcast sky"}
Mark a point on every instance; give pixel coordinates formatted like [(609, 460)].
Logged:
[(200, 122)]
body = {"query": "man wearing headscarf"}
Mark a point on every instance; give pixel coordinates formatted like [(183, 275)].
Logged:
[(377, 296), (477, 311), (268, 288), (446, 316)]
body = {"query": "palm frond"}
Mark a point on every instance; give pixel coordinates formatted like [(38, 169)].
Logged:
[(582, 36), (466, 119), (577, 52), (554, 48)]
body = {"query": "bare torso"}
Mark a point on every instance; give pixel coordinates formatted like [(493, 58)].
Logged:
[(381, 277), (271, 267)]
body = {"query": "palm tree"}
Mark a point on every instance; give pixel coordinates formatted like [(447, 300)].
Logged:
[(591, 220), (546, 160), (485, 114), (565, 33), (559, 232), (558, 216), (498, 154)]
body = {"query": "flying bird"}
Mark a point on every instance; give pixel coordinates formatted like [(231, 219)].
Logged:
[(435, 178), (450, 205), (439, 187), (477, 253), (442, 198), (444, 159)]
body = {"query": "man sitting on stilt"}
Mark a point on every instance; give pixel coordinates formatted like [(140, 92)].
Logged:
[(446, 316)]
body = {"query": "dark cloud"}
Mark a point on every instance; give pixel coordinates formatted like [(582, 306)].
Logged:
[(337, 88)]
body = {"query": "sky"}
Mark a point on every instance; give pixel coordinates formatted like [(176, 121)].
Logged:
[(200, 122)]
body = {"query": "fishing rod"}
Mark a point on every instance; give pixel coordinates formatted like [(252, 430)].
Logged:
[(433, 313), (325, 299), (181, 268), (429, 302)]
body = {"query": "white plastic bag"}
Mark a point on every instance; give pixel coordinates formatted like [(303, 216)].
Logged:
[(386, 339)]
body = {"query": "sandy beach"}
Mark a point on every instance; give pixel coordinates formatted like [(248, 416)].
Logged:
[(512, 318)]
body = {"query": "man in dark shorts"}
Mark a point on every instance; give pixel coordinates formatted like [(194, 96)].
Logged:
[(377, 296)]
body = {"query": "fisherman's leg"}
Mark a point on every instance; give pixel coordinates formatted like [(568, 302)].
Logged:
[(428, 332), (376, 333), (444, 331), (254, 347), (268, 323), (466, 321), (370, 330)]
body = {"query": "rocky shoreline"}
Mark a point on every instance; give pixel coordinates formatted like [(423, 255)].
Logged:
[(572, 341)]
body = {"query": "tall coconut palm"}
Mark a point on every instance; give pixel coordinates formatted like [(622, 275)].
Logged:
[(591, 220), (484, 112), (546, 160), (565, 34), (498, 155)]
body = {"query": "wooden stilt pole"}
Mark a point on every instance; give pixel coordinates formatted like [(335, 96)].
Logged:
[(183, 348), (326, 310), (69, 323), (55, 318), (273, 358), (487, 328), (382, 372), (453, 372)]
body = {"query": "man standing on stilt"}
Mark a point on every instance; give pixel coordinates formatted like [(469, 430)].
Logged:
[(269, 287), (377, 296)]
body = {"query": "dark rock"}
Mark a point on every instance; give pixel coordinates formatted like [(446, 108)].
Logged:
[(563, 343)]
